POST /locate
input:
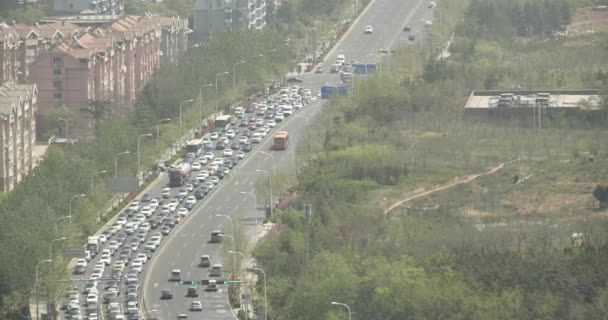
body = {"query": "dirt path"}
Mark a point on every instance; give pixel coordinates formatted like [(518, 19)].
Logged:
[(459, 180)]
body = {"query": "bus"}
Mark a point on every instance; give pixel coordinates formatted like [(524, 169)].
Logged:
[(195, 146), (281, 140), (222, 123)]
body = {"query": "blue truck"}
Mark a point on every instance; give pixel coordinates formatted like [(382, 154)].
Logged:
[(328, 91), (364, 68)]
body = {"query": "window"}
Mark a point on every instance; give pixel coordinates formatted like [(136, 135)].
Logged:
[(57, 60), (57, 84), (57, 95), (57, 72), (219, 3)]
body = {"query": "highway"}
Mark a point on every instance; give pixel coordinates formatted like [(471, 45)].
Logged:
[(186, 244), (182, 248)]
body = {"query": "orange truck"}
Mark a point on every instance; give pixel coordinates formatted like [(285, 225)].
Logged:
[(281, 140)]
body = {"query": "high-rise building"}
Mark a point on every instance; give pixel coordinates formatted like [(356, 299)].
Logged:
[(212, 16), (72, 7)]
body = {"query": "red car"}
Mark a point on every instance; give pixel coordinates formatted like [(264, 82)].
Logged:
[(251, 126)]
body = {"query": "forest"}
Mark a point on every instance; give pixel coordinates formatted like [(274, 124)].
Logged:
[(493, 247)]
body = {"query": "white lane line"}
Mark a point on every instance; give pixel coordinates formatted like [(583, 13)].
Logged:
[(201, 226), (250, 183), (155, 284), (236, 183), (193, 235), (185, 244)]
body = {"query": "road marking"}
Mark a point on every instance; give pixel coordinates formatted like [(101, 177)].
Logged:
[(236, 183), (155, 284), (193, 235), (251, 183), (201, 226)]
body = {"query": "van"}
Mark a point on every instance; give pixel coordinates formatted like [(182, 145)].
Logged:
[(341, 59), (175, 275), (217, 236), (216, 270)]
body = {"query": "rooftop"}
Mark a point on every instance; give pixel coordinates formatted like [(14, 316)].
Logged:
[(585, 99)]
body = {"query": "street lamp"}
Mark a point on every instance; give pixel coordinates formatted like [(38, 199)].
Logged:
[(180, 115), (273, 160), (57, 223), (238, 252), (93, 181), (66, 126), (36, 285), (255, 207), (51, 246), (216, 89), (270, 178), (158, 133), (344, 305), (265, 298), (138, 154), (234, 74), (82, 195), (200, 101), (116, 162), (233, 255)]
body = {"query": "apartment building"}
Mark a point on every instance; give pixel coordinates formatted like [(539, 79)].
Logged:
[(212, 16), (70, 7), (14, 4), (17, 133), (106, 64)]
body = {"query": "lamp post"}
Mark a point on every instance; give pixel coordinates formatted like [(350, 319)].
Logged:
[(255, 207), (82, 195), (138, 153), (234, 74), (238, 252), (93, 179), (233, 255), (57, 224), (273, 160), (180, 115), (344, 305), (36, 286), (265, 297), (217, 76), (116, 162), (66, 126), (51, 246), (270, 178), (200, 101)]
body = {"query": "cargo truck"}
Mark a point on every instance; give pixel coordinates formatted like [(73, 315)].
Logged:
[(93, 244), (281, 140), (178, 175)]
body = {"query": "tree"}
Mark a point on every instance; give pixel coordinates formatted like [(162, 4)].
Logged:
[(601, 194)]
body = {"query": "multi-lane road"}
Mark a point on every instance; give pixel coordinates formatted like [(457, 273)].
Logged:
[(189, 240)]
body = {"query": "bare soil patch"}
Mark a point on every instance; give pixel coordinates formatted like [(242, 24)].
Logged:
[(586, 20)]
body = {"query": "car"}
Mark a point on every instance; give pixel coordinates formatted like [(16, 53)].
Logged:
[(240, 155), (214, 136), (189, 187), (141, 257), (182, 316), (134, 205), (432, 4), (146, 197), (166, 294), (243, 139), (191, 199), (230, 134), (211, 286), (205, 261), (182, 212), (407, 28), (131, 279), (209, 155), (90, 286), (256, 138), (107, 259), (182, 192), (137, 265), (119, 265), (196, 306), (335, 68), (166, 193), (217, 236), (279, 117), (220, 145), (271, 123), (215, 270), (196, 166), (147, 211), (319, 69), (247, 147), (165, 230), (243, 122), (235, 146), (192, 292), (150, 246), (411, 37), (228, 153), (428, 23), (214, 180), (259, 122), (251, 126)]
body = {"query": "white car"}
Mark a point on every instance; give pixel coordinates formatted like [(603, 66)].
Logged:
[(145, 226), (156, 239), (151, 246), (243, 139), (214, 179), (271, 123), (213, 167), (201, 177), (106, 258), (279, 117), (191, 199), (203, 161), (166, 193), (114, 245), (142, 257), (154, 204), (82, 263), (189, 187), (137, 265), (196, 166), (121, 221), (209, 155), (256, 137), (369, 30), (134, 205), (183, 192), (428, 23), (182, 212), (228, 153), (214, 136), (91, 298), (230, 134), (172, 206), (240, 155), (147, 211), (298, 105)]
